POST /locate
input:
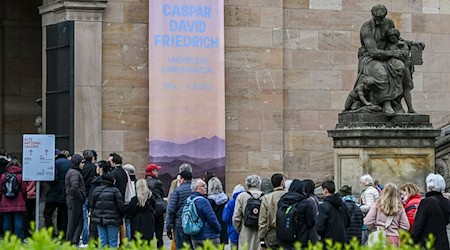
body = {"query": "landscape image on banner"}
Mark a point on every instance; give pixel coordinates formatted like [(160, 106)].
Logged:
[(204, 154)]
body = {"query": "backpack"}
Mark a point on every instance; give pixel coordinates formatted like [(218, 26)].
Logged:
[(251, 213), (190, 221), (286, 222), (11, 187)]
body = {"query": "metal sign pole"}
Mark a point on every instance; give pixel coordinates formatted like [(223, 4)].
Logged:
[(38, 194)]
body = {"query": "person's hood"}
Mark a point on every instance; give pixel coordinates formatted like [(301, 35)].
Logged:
[(235, 195), (292, 197), (107, 183), (335, 200), (14, 170), (296, 186), (219, 199)]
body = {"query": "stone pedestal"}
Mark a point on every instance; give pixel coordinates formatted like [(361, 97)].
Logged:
[(395, 149)]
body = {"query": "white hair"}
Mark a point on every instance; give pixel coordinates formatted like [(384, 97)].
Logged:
[(366, 180), (215, 186), (194, 183), (253, 181), (435, 182)]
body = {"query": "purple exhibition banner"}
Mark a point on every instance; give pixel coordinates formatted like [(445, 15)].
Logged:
[(187, 86)]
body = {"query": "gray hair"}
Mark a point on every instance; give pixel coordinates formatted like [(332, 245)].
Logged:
[(194, 184), (253, 181), (185, 167), (130, 169), (215, 186), (435, 182), (366, 180)]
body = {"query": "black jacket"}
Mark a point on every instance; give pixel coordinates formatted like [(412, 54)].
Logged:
[(432, 217), (56, 192), (333, 219), (107, 204), (89, 174), (305, 217), (142, 218), (156, 186), (121, 179), (356, 221), (74, 184)]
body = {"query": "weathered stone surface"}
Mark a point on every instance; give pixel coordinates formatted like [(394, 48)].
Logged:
[(309, 39), (122, 75), (266, 3), (242, 16), (273, 17), (308, 99), (296, 79), (304, 19), (271, 58), (272, 140), (430, 6), (386, 165), (325, 4), (269, 161), (407, 6), (242, 58), (301, 4), (244, 140), (135, 12), (127, 33), (325, 80), (335, 40), (112, 140), (231, 37), (255, 37), (135, 140), (114, 12)]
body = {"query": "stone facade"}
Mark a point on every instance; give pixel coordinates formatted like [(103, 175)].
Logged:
[(289, 66)]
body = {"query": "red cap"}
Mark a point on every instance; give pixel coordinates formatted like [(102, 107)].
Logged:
[(151, 167)]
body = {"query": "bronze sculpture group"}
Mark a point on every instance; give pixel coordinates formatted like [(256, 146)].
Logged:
[(385, 67)]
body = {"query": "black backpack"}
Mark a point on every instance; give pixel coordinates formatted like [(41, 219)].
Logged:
[(251, 213), (286, 222), (11, 187)]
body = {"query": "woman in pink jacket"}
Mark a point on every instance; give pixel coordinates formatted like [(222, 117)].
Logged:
[(13, 193), (389, 204)]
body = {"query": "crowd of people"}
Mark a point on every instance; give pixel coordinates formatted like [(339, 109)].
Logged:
[(105, 202)]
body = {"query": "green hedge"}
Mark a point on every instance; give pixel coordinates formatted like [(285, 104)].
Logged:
[(43, 240)]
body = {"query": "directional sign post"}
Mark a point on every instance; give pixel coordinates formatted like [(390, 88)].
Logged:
[(38, 162)]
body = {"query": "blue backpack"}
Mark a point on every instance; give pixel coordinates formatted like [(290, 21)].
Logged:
[(190, 221)]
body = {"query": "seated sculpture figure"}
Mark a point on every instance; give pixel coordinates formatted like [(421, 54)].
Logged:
[(374, 60)]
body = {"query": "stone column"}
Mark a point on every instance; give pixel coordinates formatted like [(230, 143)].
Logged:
[(396, 149), (87, 18), (443, 157)]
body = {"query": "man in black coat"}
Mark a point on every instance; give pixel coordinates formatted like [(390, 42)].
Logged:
[(75, 196), (89, 174), (119, 174), (333, 218), (56, 197), (156, 186)]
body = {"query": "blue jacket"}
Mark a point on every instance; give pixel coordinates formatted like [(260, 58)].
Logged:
[(56, 192), (176, 203), (211, 227), (227, 217)]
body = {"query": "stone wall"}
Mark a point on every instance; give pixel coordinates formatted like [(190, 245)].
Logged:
[(289, 66)]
